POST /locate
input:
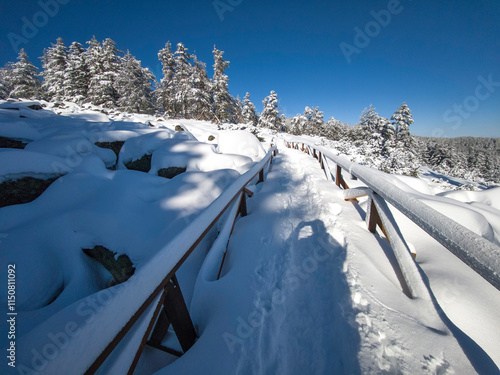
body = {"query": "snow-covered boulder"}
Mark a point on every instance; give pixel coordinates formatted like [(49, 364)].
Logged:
[(195, 156), (73, 148), (137, 147), (25, 175), (240, 142), (16, 164), (26, 109)]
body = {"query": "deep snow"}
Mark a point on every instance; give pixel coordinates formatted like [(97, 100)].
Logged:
[(305, 288)]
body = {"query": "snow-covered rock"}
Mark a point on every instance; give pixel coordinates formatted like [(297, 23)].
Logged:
[(240, 142)]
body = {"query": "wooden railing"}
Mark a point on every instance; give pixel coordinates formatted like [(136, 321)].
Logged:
[(143, 308), (477, 252)]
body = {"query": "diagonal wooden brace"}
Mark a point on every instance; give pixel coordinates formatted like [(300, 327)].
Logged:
[(174, 312), (178, 314)]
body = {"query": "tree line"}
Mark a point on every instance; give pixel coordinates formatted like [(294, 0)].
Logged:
[(102, 75)]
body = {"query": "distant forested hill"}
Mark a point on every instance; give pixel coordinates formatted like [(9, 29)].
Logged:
[(467, 157)]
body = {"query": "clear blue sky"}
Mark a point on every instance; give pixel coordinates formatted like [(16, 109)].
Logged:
[(429, 53)]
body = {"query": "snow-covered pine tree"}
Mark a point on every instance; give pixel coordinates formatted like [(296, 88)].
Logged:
[(239, 103), (397, 144), (402, 119), (5, 81), (387, 130), (134, 86), (103, 63), (387, 136), (335, 129), (298, 124), (182, 81), (369, 119), (199, 99), (368, 129), (54, 63), (282, 125), (93, 57), (248, 111), (270, 116), (307, 126), (76, 76), (24, 78), (315, 120), (224, 103), (165, 92), (112, 66)]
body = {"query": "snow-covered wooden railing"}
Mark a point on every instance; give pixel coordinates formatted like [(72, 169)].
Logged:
[(477, 252), (134, 309)]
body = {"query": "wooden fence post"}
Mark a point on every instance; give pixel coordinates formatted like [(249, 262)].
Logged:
[(243, 204), (261, 176), (174, 312), (374, 220), (338, 175), (178, 314)]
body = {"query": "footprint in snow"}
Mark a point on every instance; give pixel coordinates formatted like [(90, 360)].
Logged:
[(438, 366)]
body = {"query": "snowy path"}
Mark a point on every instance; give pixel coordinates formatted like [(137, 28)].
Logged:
[(306, 289)]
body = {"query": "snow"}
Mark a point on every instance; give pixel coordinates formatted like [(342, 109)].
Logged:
[(297, 294), (15, 164), (240, 142), (305, 287), (195, 156)]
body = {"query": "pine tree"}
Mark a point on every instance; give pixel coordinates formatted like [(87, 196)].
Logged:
[(282, 123), (248, 111), (104, 67), (93, 57), (387, 136), (134, 86), (315, 120), (165, 92), (298, 124), (369, 119), (270, 116), (54, 62), (25, 81), (239, 103), (335, 129), (199, 98), (182, 81), (76, 76), (369, 128), (387, 130), (6, 80), (224, 106), (402, 119)]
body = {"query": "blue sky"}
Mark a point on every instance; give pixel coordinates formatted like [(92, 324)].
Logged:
[(441, 57)]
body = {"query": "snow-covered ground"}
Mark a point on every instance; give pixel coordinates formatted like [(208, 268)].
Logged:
[(305, 288)]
